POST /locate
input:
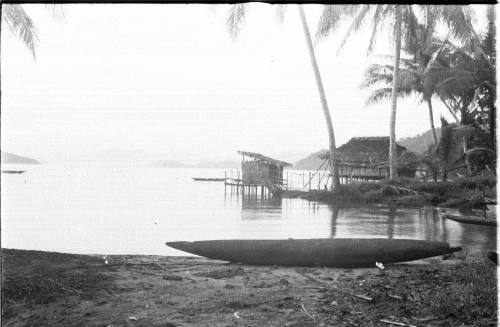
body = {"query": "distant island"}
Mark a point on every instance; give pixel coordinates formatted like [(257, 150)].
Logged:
[(207, 164), (10, 158)]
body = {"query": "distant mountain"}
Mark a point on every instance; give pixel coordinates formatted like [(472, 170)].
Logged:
[(169, 163), (311, 162), (125, 155), (288, 156), (218, 164), (419, 143), (10, 158), (206, 164)]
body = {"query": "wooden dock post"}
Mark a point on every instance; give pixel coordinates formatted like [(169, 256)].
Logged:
[(310, 181)]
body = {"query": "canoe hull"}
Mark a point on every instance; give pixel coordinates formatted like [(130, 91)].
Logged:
[(471, 220), (346, 252)]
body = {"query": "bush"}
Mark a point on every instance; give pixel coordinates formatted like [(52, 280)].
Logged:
[(414, 200), (477, 182), (373, 196), (439, 188)]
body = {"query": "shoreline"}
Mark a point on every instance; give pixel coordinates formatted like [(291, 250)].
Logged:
[(56, 289), (465, 193)]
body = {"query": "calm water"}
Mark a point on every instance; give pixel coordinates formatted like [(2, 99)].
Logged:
[(133, 209)]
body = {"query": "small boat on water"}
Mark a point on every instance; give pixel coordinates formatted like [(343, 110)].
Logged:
[(472, 219), (202, 179), (340, 252), (13, 171)]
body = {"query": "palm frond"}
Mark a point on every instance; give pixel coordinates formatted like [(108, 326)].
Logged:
[(331, 16), (56, 10), (235, 18), (385, 93), (379, 95), (21, 25), (356, 24), (375, 23), (410, 79), (279, 14), (458, 18)]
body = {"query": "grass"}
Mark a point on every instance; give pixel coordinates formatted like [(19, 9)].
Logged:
[(472, 297), (464, 294)]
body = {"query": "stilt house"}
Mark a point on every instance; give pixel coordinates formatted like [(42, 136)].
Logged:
[(258, 169), (367, 158)]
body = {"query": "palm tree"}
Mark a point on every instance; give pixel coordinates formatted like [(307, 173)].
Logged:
[(393, 172), (411, 82), (236, 16), (420, 44), (21, 25), (465, 78), (402, 17)]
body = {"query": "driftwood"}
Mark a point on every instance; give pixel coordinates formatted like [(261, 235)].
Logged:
[(161, 266), (307, 313), (426, 319), (410, 191), (396, 323), (361, 297)]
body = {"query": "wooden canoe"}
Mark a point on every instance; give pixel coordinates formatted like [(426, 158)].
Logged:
[(476, 220), (13, 171), (346, 252), (201, 179)]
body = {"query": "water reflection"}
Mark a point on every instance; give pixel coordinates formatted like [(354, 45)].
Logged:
[(296, 218), (259, 208), (335, 215)]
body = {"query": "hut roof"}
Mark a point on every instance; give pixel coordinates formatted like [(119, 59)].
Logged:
[(367, 150), (261, 157)]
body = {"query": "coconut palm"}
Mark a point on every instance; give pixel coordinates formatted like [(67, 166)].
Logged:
[(21, 25), (411, 83), (401, 18), (420, 43), (467, 81), (464, 76), (236, 17)]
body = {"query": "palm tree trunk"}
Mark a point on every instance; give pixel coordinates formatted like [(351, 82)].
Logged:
[(333, 167), (393, 173), (431, 118)]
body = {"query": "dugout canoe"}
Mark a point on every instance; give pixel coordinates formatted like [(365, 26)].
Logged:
[(203, 179), (339, 252), (476, 220)]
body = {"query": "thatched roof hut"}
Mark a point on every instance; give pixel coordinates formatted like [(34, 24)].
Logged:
[(368, 158)]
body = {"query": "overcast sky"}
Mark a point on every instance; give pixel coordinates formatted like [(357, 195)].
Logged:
[(168, 80)]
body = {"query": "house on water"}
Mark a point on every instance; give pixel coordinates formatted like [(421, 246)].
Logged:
[(259, 171), (367, 158)]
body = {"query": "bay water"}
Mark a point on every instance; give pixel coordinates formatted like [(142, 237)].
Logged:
[(122, 208)]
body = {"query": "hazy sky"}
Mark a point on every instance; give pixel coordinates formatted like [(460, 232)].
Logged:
[(168, 80)]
